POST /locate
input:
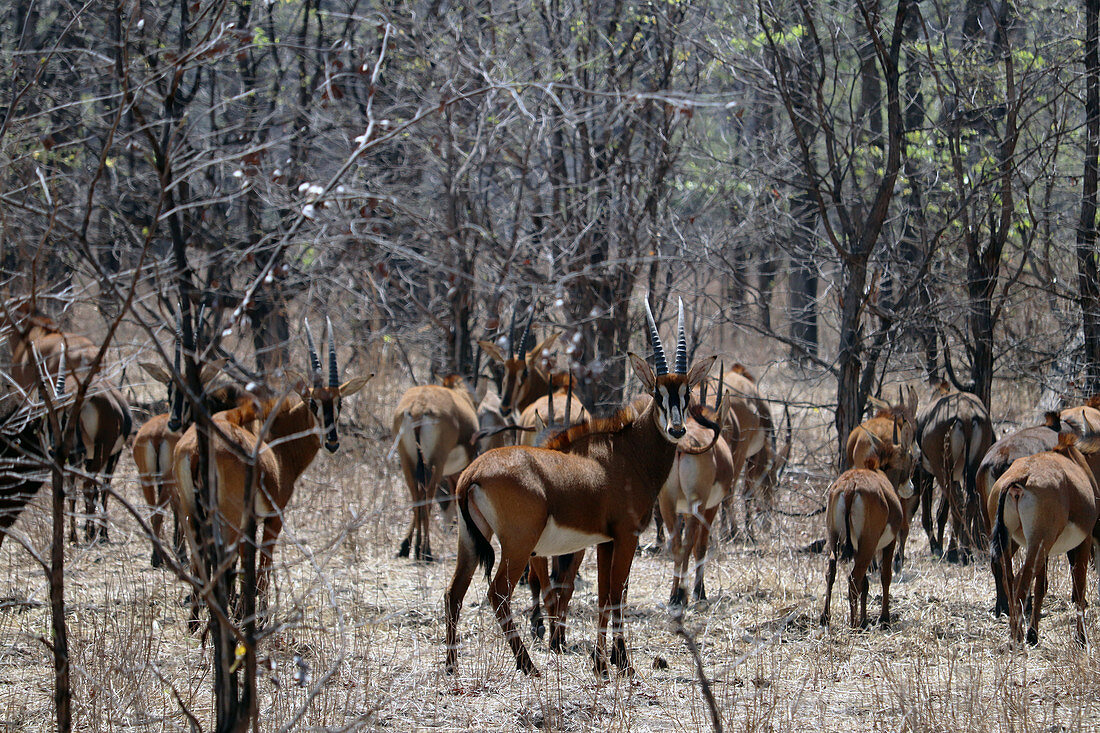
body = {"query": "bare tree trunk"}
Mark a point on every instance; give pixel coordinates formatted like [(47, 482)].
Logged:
[(1088, 280)]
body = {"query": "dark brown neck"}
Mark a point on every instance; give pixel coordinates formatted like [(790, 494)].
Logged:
[(294, 439), (650, 453)]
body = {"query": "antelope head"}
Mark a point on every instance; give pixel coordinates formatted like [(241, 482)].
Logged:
[(671, 392), (519, 365), (324, 395)]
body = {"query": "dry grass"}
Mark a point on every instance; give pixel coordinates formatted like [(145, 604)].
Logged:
[(369, 629)]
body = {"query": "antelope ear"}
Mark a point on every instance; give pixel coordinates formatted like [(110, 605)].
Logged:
[(877, 403), (492, 350), (298, 383), (699, 370), (641, 368), (911, 402), (546, 344), (352, 386), (156, 371), (210, 370)]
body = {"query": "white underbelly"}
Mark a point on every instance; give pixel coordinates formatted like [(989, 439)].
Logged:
[(1071, 537), (457, 460), (559, 540), (886, 538)]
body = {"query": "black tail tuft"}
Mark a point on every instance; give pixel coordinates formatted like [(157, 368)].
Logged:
[(847, 550), (484, 549), (998, 542), (421, 469)]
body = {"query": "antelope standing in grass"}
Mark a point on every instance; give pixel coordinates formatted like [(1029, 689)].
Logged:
[(748, 428), (105, 423), (953, 433), (864, 516), (156, 441), (998, 458), (24, 453), (594, 484), (435, 427), (893, 425), (285, 434), (696, 486), (1046, 503)]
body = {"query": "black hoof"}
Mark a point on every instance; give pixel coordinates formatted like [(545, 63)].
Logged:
[(678, 597), (1032, 637), (557, 640), (619, 657), (538, 626), (157, 560), (404, 551)]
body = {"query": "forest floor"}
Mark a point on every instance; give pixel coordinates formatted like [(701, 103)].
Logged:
[(359, 642)]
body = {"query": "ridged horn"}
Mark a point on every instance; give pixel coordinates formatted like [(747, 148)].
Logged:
[(333, 372), (314, 360), (721, 387), (512, 335), (59, 387), (655, 341), (522, 353), (681, 341), (175, 420)]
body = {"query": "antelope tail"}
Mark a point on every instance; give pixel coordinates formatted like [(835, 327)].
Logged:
[(998, 542), (421, 469), (847, 549), (484, 550)]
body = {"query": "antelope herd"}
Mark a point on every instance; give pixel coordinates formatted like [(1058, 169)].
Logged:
[(528, 464)]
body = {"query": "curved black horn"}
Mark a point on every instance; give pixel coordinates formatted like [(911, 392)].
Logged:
[(512, 335), (522, 353), (333, 372), (721, 387), (655, 341), (59, 388), (314, 360), (681, 342)]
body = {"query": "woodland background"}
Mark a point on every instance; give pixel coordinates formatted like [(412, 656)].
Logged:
[(847, 194)]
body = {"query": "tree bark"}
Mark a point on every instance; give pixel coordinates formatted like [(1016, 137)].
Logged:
[(1088, 281)]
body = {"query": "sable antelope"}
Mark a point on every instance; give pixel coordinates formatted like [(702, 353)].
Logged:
[(953, 433), (156, 441), (539, 418), (524, 380), (435, 427), (998, 458), (491, 423), (892, 425), (749, 430), (23, 452), (1082, 420), (105, 422), (295, 424), (35, 339), (594, 484), (1046, 503), (691, 495), (864, 516)]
